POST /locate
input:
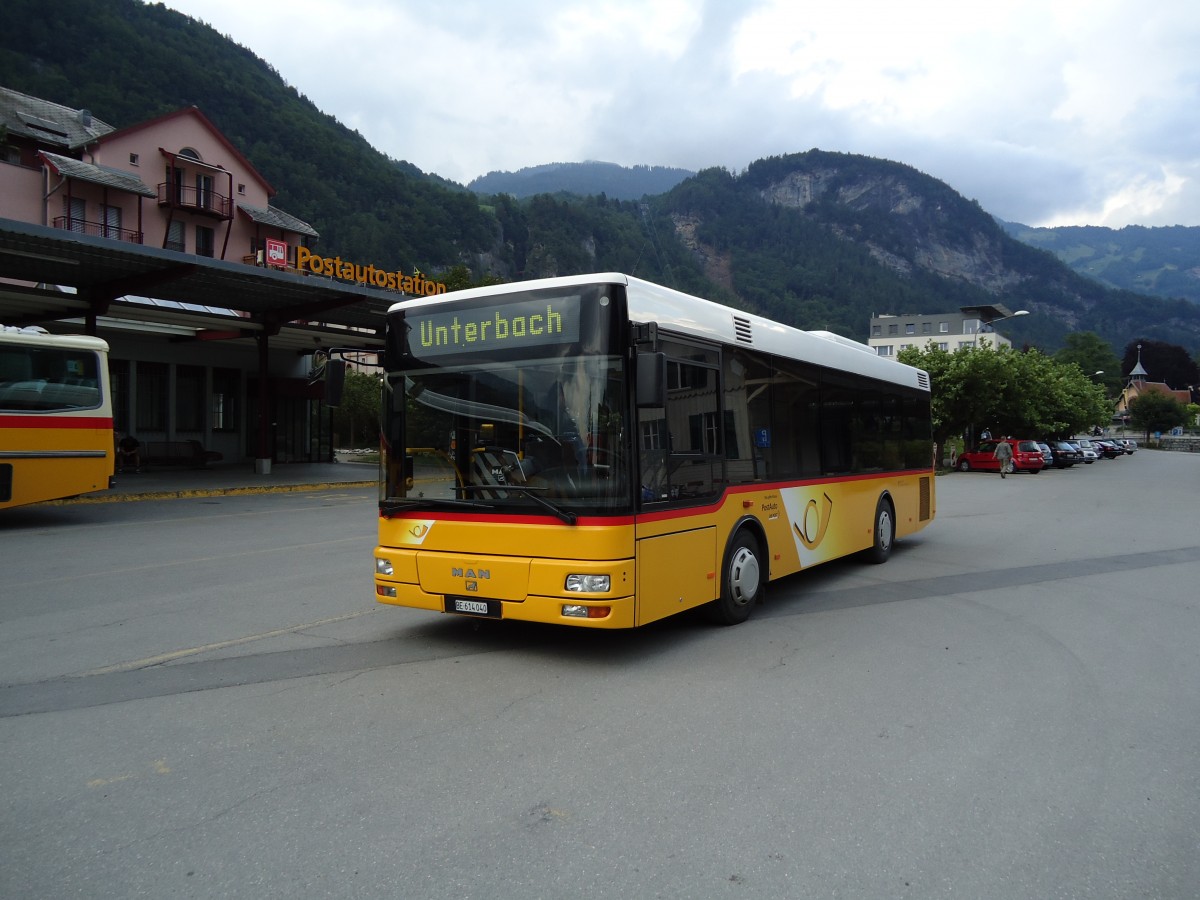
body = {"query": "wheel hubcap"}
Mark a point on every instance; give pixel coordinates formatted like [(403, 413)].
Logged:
[(885, 530), (743, 576)]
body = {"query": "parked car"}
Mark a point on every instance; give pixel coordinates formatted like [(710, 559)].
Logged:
[(1047, 456), (1027, 457), (1088, 449), (1130, 447), (1108, 449), (1064, 454)]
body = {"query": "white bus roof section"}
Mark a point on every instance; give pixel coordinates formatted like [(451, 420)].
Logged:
[(26, 337), (697, 317)]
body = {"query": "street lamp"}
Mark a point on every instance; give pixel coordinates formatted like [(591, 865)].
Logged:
[(988, 323)]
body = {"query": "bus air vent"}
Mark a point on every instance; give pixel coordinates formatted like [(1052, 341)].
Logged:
[(741, 330), (924, 500), (923, 380)]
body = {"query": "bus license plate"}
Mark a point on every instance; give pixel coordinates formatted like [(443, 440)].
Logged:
[(489, 608)]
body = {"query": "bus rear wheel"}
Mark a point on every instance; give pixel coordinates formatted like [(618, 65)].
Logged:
[(884, 530), (741, 581)]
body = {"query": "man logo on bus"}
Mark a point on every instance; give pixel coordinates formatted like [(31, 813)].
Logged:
[(816, 523)]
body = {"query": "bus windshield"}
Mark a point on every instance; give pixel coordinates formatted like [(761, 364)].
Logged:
[(531, 434)]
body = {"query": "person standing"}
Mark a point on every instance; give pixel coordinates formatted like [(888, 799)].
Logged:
[(1004, 455), (129, 452)]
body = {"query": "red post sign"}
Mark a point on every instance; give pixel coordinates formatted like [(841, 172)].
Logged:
[(277, 252)]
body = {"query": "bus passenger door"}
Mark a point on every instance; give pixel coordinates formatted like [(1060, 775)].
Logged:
[(675, 572)]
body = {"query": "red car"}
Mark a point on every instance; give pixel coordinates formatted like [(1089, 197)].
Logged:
[(1027, 457)]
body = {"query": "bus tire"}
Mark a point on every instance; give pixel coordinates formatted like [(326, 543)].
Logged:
[(741, 581), (884, 531)]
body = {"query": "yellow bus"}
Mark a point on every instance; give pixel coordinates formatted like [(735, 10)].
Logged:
[(605, 452), (56, 421)]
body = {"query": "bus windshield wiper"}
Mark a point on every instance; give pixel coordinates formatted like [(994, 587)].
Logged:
[(530, 492), (392, 506)]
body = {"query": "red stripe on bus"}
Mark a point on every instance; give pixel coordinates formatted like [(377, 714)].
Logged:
[(675, 512), (53, 421)]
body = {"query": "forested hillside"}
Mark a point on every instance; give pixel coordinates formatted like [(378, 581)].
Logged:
[(834, 238), (1160, 261), (584, 179), (818, 240)]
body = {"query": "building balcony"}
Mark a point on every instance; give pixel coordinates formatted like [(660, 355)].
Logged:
[(195, 200), (98, 229)]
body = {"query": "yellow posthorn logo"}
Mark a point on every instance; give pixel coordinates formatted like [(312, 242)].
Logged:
[(816, 523)]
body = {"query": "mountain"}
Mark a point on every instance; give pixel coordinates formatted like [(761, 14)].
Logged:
[(584, 179), (1164, 262), (815, 239), (835, 238)]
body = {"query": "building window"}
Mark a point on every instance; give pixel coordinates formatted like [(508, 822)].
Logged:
[(204, 193), (175, 238), (876, 331), (75, 209), (885, 350), (943, 327), (652, 432), (205, 241), (153, 396), (943, 345), (224, 399), (241, 189), (112, 222), (189, 398), (133, 159), (893, 329), (926, 328), (910, 328)]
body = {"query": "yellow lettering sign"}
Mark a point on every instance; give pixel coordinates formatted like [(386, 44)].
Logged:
[(344, 270)]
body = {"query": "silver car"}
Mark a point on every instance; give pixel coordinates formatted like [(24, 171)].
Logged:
[(1088, 449)]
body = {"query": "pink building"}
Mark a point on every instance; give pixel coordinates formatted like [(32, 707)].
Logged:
[(174, 182), (181, 371)]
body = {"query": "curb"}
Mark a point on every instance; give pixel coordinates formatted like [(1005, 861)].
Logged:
[(210, 492)]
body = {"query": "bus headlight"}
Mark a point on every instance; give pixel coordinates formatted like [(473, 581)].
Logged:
[(383, 566), (588, 584)]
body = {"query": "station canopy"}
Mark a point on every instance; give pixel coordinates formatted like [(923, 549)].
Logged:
[(180, 296)]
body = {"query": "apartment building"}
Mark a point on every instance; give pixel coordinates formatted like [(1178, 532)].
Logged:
[(971, 326)]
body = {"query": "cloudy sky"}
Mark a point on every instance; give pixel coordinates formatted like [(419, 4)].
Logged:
[(1048, 112)]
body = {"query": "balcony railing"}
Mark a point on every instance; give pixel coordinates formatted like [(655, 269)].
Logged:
[(196, 200), (98, 229)]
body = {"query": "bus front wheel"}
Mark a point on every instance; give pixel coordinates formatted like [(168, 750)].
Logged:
[(741, 581), (885, 531)]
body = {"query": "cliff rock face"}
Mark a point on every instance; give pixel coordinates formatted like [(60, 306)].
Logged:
[(717, 266), (935, 244)]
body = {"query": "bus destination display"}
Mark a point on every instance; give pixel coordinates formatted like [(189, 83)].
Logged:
[(495, 327)]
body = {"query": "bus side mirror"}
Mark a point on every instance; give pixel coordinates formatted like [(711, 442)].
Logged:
[(335, 380), (651, 380)]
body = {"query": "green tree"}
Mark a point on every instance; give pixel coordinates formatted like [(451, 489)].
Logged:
[(1093, 354), (1156, 411), (1007, 391), (356, 420)]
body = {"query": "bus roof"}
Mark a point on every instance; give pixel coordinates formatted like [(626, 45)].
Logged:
[(697, 317), (27, 337)]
